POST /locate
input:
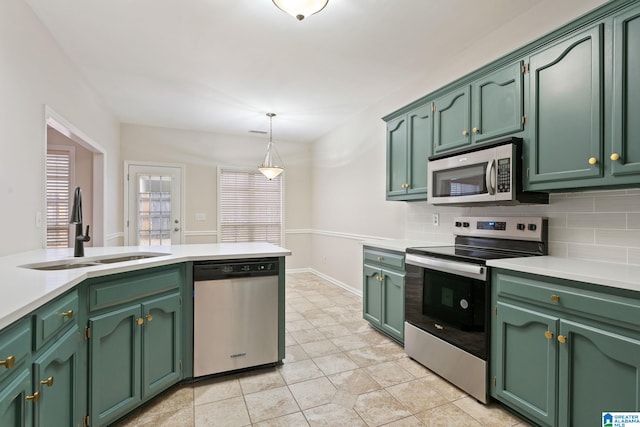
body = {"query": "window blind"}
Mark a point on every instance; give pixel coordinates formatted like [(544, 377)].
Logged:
[(249, 207), (58, 198)]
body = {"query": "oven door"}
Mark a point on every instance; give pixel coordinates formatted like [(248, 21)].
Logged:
[(448, 299)]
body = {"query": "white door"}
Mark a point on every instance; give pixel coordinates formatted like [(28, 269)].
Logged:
[(154, 205)]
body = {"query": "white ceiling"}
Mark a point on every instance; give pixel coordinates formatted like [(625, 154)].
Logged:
[(220, 65)]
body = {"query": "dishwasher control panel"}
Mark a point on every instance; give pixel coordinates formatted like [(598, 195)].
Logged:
[(212, 270)]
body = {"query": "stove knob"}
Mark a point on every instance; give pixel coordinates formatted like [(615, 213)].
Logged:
[(520, 227), (458, 224), (465, 224), (532, 227)]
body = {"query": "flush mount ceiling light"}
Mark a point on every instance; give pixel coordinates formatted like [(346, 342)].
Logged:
[(271, 165), (300, 9)]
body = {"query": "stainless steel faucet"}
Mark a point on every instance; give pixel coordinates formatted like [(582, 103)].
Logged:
[(76, 218)]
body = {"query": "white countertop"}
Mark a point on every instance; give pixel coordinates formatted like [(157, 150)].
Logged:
[(400, 245), (24, 290), (622, 276)]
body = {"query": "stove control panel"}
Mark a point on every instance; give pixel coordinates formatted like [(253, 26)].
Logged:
[(513, 228)]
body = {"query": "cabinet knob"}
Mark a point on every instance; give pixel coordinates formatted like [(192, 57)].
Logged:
[(8, 362), (380, 258), (593, 160), (615, 156), (67, 314), (475, 130), (35, 397), (562, 339), (149, 317), (465, 132), (548, 334), (48, 382), (139, 320), (555, 298), (405, 186)]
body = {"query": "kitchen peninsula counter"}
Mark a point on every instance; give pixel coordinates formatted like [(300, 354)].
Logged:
[(24, 289)]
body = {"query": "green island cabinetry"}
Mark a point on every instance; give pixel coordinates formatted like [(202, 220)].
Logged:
[(563, 352), (487, 108), (40, 373), (383, 291), (408, 148), (135, 339)]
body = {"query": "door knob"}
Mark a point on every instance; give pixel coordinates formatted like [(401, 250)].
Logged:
[(615, 156), (475, 130), (176, 229), (548, 335), (48, 382), (465, 132), (562, 339), (8, 362), (593, 160)]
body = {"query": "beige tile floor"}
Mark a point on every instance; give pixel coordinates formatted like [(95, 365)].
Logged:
[(338, 371)]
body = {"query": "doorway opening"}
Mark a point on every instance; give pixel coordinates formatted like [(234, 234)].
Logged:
[(72, 160)]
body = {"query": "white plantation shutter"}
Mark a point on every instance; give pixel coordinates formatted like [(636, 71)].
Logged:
[(249, 207), (58, 189)]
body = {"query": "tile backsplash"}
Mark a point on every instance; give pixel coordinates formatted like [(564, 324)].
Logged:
[(594, 225)]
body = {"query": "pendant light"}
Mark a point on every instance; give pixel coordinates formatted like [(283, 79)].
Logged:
[(271, 165), (300, 9)]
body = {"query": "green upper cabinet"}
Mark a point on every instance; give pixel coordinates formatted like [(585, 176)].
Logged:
[(625, 142), (451, 120), (408, 148), (498, 103), (488, 108), (566, 110)]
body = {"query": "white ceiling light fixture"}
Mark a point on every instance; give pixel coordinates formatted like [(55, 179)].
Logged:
[(272, 164), (300, 9)]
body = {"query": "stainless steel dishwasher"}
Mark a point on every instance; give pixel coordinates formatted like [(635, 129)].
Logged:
[(235, 314)]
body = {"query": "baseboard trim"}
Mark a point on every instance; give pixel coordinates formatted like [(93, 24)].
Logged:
[(327, 278)]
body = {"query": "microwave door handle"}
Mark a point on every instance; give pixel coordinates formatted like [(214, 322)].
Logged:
[(491, 189)]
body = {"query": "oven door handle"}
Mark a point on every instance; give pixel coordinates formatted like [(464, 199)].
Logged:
[(463, 269)]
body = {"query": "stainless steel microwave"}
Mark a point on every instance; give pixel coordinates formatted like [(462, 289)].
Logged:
[(490, 174)]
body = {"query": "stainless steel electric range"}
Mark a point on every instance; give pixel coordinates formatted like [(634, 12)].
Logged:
[(447, 295)]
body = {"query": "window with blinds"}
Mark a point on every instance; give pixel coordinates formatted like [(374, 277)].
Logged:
[(249, 207), (58, 189)]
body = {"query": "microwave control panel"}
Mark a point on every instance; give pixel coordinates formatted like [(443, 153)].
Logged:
[(504, 175)]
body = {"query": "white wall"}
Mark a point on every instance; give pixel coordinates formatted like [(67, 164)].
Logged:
[(33, 72), (348, 176), (202, 153)]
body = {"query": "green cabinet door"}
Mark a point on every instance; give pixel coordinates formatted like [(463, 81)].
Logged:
[(114, 363), (599, 372), (372, 295), (392, 320), (625, 150), (566, 110), (525, 364), (397, 153), (161, 343), (498, 104), (419, 141), (56, 375), (15, 411), (451, 120)]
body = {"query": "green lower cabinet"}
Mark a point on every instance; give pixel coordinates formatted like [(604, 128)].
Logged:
[(114, 364), (135, 353), (563, 352), (161, 344), (15, 411), (372, 295), (56, 376), (599, 372), (383, 291), (525, 366)]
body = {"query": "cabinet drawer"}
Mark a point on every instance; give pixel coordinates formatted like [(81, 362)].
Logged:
[(54, 317), (384, 258), (15, 347), (568, 299), (130, 287)]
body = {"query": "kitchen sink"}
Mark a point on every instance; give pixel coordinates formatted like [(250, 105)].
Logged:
[(72, 263)]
